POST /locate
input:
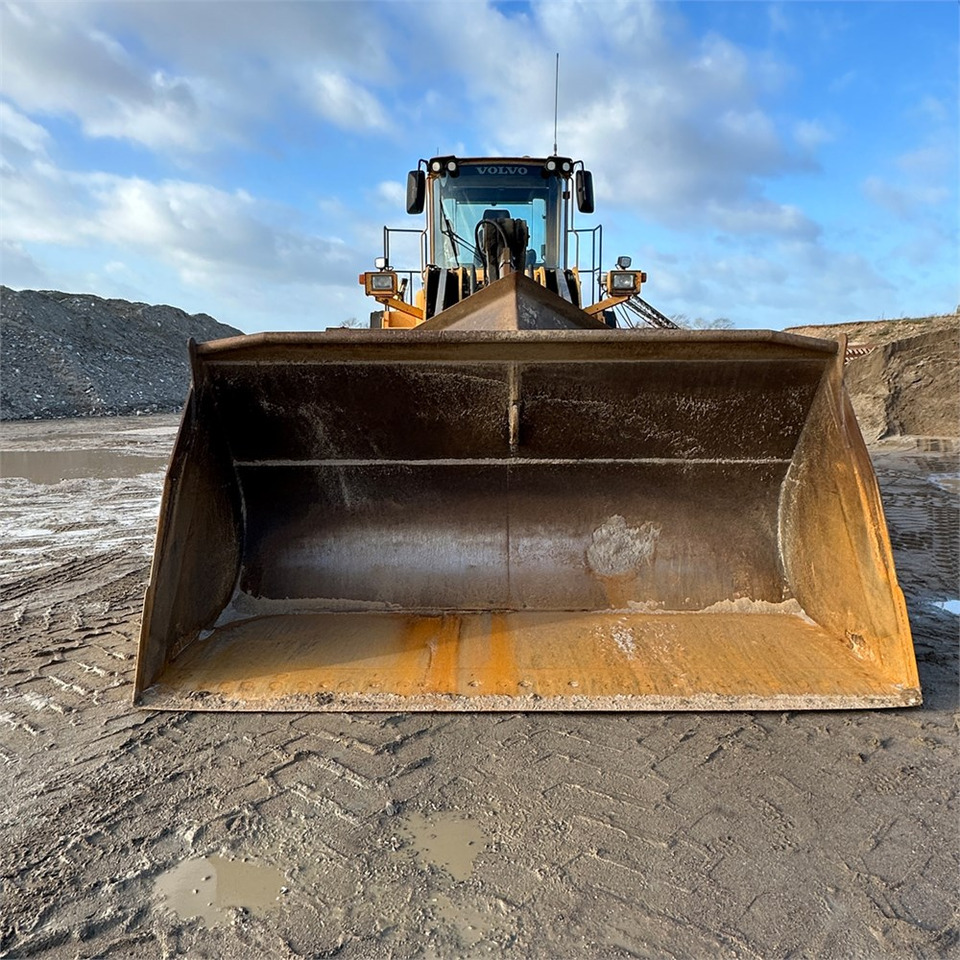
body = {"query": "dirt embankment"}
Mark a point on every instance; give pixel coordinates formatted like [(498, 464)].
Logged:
[(73, 355), (907, 382)]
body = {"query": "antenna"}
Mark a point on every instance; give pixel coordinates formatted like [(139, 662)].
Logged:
[(556, 104)]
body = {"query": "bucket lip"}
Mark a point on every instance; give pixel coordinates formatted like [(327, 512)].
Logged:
[(711, 344)]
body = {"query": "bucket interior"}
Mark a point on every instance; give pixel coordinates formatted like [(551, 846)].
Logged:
[(653, 483)]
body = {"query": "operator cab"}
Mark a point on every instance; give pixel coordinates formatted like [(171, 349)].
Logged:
[(482, 193), (489, 217), (461, 195)]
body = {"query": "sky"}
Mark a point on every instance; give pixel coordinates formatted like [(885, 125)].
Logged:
[(771, 163)]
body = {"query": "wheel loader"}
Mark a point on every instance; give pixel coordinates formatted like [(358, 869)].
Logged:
[(496, 499)]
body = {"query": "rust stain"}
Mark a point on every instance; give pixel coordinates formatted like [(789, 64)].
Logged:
[(444, 644), (502, 674), (414, 667)]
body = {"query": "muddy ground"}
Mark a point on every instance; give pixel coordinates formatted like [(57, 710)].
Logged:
[(135, 834)]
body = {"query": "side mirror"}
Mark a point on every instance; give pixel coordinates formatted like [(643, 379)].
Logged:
[(584, 180), (416, 191)]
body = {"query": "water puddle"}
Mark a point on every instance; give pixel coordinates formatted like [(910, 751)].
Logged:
[(946, 481), (52, 466), (446, 840), (951, 606), (936, 444), (209, 887)]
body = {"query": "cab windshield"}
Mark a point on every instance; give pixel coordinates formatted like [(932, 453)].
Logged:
[(488, 191)]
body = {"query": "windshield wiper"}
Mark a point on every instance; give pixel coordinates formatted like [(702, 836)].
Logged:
[(451, 235)]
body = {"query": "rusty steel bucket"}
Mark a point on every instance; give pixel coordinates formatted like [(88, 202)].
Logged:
[(513, 508)]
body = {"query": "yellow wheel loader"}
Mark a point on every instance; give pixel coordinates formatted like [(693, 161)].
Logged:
[(494, 499)]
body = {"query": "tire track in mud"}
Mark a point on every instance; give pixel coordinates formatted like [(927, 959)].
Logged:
[(68, 579), (924, 521)]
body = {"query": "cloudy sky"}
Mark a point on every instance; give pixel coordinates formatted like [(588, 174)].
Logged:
[(773, 163)]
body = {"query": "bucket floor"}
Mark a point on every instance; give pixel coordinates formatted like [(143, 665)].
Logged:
[(386, 661)]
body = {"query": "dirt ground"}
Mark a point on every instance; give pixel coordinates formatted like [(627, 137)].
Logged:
[(136, 834)]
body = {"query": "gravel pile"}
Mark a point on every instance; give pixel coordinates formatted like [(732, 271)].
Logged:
[(73, 355)]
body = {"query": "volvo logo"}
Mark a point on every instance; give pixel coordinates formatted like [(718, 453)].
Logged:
[(502, 171)]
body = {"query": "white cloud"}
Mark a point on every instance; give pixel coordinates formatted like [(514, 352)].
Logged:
[(40, 204), (842, 82), (930, 161), (686, 133), (767, 218), (19, 269), (720, 70), (210, 236), (62, 65), (751, 130), (934, 109), (923, 249), (346, 103), (810, 135), (677, 132), (905, 200), (256, 43), (393, 193), (117, 269), (922, 186), (21, 134), (227, 253), (771, 289), (170, 118), (778, 19), (190, 77)]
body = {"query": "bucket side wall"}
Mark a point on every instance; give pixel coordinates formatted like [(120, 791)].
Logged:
[(834, 541), (198, 547)]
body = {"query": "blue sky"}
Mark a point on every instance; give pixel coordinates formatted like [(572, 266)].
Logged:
[(773, 163)]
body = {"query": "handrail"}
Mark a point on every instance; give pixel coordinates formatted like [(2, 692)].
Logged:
[(596, 256), (407, 272)]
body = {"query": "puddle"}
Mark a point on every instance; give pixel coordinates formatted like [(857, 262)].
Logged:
[(951, 606), (447, 840), (946, 481), (207, 888), (52, 466), (936, 444)]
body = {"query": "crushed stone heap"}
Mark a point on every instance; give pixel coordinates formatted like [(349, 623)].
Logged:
[(74, 355)]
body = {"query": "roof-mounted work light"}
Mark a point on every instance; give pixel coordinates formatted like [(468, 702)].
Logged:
[(557, 167), (444, 166)]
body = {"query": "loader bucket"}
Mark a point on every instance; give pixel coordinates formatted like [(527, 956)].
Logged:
[(515, 508)]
